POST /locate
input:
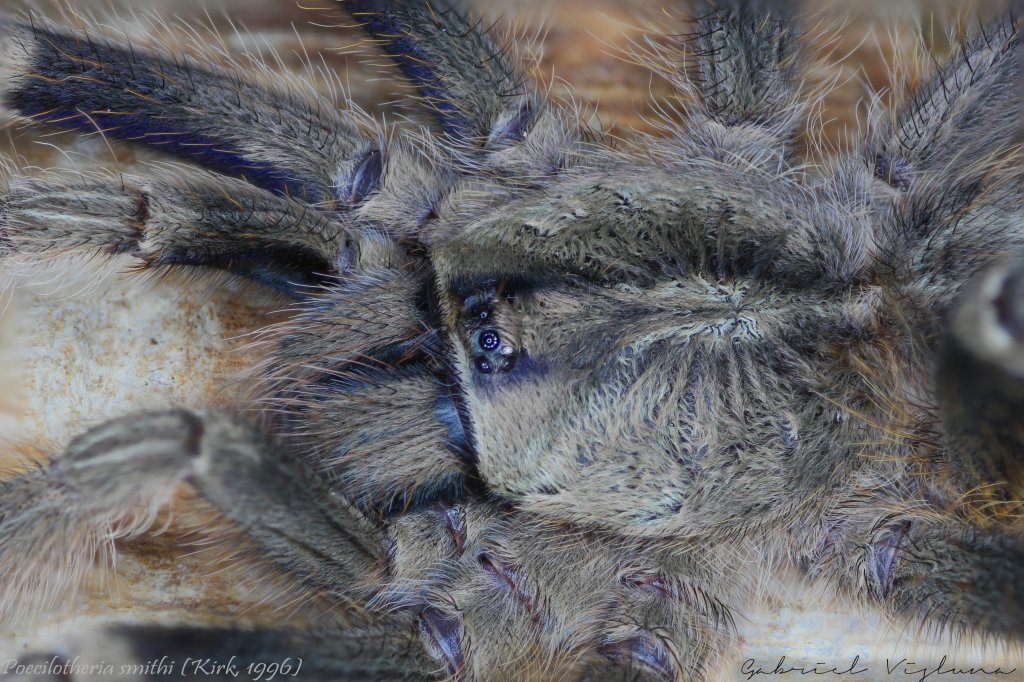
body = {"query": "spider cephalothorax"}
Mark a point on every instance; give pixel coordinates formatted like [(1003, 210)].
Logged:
[(547, 405)]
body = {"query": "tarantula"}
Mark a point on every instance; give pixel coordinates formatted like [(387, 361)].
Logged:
[(548, 405)]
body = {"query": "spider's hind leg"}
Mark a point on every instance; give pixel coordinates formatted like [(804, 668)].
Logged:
[(460, 73), (747, 62), (955, 127), (944, 544)]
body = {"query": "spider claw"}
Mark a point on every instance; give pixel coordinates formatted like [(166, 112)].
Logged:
[(455, 520), (442, 636), (883, 557), (367, 176), (645, 651)]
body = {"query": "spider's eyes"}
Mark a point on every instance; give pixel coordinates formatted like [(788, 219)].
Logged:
[(489, 328), (506, 364), (489, 340)]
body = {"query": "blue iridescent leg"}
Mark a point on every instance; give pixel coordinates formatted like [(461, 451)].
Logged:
[(278, 135)]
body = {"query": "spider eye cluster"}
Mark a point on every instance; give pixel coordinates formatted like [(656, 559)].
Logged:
[(486, 335), (493, 353)]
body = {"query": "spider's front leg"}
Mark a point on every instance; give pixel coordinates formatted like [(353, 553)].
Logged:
[(236, 118), (112, 480), (284, 168), (199, 219)]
